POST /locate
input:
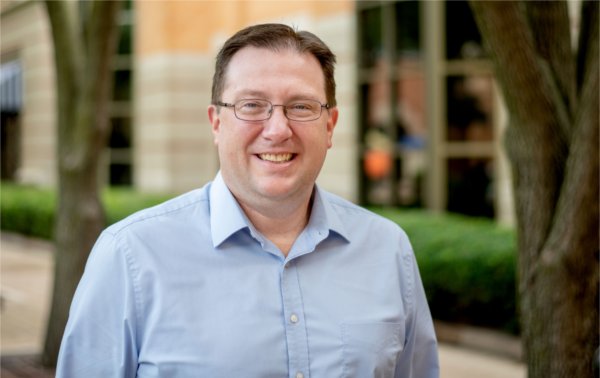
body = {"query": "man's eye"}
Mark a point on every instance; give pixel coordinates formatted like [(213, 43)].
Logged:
[(300, 106), (250, 105)]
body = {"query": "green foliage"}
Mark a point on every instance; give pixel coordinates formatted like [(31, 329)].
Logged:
[(27, 210), (468, 266), (30, 210), (120, 202)]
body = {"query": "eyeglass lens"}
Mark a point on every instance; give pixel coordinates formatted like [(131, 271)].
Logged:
[(259, 110)]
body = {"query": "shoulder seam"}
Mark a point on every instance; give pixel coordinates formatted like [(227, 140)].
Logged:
[(140, 217)]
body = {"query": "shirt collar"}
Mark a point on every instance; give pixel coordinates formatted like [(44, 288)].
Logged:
[(324, 217), (227, 217)]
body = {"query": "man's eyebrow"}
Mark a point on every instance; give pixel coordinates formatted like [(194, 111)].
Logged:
[(246, 93), (258, 94)]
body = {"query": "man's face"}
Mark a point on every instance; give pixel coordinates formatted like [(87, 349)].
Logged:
[(275, 159)]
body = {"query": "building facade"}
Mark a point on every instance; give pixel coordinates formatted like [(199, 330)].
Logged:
[(420, 114)]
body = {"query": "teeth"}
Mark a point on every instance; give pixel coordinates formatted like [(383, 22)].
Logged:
[(277, 158)]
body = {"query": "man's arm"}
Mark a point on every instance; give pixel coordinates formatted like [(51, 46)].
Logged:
[(99, 340)]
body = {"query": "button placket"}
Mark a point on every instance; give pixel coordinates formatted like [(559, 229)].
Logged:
[(295, 326)]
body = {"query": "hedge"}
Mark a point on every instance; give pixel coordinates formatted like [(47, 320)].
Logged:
[(467, 264), (27, 210), (30, 210)]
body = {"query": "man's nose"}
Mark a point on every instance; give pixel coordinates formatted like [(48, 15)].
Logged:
[(277, 127)]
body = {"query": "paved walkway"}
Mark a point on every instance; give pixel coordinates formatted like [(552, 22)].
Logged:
[(25, 286)]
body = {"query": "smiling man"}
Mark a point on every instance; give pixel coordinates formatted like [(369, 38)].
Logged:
[(260, 273), (271, 156)]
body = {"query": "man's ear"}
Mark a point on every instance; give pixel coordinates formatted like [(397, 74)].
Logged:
[(331, 122), (215, 122)]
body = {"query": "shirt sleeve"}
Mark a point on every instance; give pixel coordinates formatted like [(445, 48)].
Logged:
[(99, 339), (419, 358)]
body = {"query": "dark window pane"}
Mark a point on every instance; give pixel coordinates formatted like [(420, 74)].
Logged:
[(371, 41), (470, 187), (407, 27), (120, 174), (120, 136), (122, 85), (10, 151), (125, 41), (462, 36), (469, 108)]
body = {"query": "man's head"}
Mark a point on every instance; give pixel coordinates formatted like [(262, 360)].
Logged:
[(275, 37), (273, 115)]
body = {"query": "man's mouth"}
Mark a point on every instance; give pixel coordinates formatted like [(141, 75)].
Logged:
[(276, 158)]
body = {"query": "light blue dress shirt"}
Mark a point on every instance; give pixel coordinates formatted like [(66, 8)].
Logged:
[(190, 288)]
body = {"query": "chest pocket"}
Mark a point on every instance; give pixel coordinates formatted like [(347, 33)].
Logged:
[(371, 349)]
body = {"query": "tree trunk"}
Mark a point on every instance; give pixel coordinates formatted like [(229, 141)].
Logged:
[(552, 141), (84, 44)]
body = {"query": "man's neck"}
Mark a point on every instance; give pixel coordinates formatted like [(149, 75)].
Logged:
[(280, 223)]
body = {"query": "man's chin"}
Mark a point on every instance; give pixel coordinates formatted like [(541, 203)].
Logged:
[(277, 188)]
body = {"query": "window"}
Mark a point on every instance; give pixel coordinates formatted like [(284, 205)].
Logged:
[(392, 89), (120, 140), (423, 144), (10, 108)]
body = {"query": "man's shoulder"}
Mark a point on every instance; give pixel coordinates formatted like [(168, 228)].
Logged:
[(349, 211), (194, 202)]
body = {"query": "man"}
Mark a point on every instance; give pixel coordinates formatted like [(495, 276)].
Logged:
[(260, 273)]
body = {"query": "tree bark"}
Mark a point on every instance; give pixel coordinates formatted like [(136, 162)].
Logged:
[(552, 142), (84, 44)]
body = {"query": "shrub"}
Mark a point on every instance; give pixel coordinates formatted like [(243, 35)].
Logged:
[(120, 202), (468, 266), (30, 210), (27, 210)]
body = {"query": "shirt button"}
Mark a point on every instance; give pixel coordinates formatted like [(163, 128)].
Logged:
[(299, 375), (294, 319)]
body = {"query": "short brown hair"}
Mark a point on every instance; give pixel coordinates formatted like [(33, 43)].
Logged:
[(275, 37)]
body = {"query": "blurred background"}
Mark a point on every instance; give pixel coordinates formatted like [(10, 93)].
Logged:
[(419, 133), (420, 114)]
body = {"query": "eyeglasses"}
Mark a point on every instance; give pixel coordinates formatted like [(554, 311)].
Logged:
[(261, 110)]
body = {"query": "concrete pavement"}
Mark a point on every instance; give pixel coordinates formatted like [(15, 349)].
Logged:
[(26, 284)]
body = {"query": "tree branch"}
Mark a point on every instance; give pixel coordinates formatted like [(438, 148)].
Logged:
[(69, 62), (503, 23), (535, 139), (580, 193), (550, 25), (588, 41), (102, 35), (67, 46)]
